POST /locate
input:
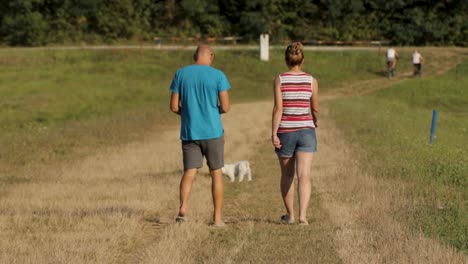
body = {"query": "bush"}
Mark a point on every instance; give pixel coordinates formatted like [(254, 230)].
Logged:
[(29, 29)]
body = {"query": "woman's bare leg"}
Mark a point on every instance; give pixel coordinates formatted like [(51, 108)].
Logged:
[(304, 167), (287, 187)]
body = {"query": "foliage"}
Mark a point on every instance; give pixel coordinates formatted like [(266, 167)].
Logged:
[(21, 24), (404, 22)]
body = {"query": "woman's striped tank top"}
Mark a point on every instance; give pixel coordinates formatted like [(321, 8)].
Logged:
[(296, 90)]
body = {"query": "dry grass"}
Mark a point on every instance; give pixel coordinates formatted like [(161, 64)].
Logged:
[(118, 207), (252, 210), (90, 211)]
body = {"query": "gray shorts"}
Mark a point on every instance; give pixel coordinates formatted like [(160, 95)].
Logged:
[(194, 151)]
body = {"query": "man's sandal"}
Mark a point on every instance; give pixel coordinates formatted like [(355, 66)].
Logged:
[(286, 220), (181, 219)]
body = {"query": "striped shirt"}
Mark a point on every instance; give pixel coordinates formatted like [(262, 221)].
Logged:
[(296, 90)]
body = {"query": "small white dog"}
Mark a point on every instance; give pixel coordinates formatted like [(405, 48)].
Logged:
[(238, 169)]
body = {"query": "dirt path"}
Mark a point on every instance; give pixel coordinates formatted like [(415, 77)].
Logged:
[(351, 206), (352, 211)]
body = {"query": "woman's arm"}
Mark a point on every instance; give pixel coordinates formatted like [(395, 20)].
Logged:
[(277, 113), (314, 103)]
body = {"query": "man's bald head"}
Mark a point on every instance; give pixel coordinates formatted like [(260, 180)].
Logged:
[(203, 55)]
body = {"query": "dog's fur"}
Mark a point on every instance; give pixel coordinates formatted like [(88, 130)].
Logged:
[(238, 169)]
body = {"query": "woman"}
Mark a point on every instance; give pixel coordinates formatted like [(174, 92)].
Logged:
[(294, 120)]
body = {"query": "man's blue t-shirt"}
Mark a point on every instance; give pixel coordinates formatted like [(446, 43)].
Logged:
[(198, 87)]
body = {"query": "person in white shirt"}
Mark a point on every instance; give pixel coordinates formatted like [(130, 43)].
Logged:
[(417, 62), (392, 57)]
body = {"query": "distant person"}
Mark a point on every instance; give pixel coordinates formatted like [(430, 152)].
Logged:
[(417, 62), (294, 119), (392, 57), (200, 96)]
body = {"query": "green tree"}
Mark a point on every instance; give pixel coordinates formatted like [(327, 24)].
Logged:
[(404, 22), (113, 19), (204, 17), (21, 25)]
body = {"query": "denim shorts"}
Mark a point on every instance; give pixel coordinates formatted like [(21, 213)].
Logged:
[(303, 140)]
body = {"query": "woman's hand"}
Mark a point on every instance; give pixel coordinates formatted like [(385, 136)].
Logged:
[(275, 141)]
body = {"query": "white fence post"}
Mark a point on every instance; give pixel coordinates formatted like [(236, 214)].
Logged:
[(264, 47)]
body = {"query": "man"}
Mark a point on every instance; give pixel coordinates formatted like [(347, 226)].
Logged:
[(417, 62), (392, 57), (200, 96)]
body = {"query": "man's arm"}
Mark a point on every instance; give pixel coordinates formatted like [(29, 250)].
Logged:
[(223, 102), (174, 104)]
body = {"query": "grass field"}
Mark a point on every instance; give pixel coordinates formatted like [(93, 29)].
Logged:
[(52, 99), (89, 161), (392, 127)]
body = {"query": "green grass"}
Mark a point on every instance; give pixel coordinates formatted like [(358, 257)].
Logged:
[(40, 88), (55, 101), (392, 126)]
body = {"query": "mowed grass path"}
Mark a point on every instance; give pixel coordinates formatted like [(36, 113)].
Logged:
[(117, 206)]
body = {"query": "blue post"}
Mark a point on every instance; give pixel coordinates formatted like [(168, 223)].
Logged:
[(433, 126)]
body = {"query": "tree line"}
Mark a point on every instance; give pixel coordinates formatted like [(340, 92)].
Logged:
[(402, 22)]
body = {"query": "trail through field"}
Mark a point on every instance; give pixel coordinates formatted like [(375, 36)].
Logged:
[(119, 206), (351, 212)]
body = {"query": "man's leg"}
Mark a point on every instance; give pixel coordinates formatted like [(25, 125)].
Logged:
[(214, 151), (185, 188), (192, 159), (217, 191)]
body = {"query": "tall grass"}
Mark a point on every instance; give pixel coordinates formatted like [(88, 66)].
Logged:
[(392, 126)]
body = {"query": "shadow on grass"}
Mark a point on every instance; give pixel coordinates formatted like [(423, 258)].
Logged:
[(254, 220), (377, 73), (158, 174)]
